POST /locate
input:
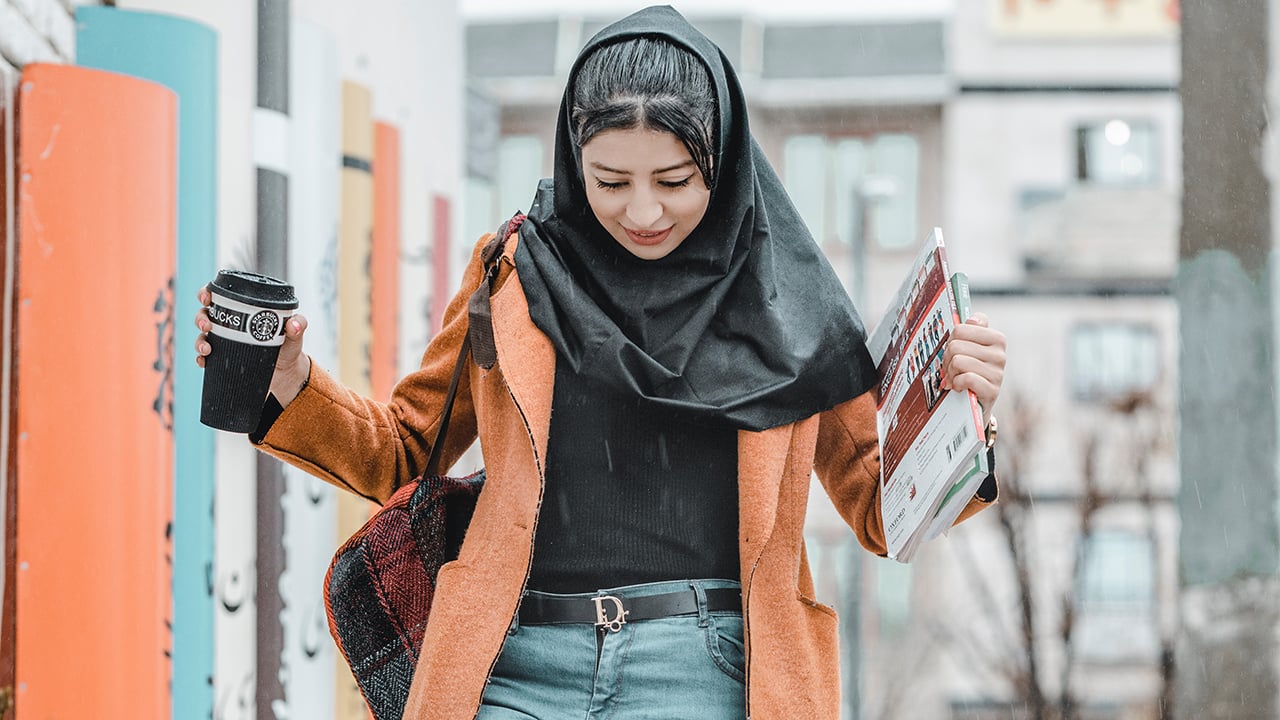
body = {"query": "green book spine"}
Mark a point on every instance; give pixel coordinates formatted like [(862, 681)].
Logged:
[(960, 288)]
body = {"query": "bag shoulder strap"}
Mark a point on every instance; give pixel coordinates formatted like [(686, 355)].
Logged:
[(479, 338), (479, 313)]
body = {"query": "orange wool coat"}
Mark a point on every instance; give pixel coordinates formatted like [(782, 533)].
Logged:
[(368, 447)]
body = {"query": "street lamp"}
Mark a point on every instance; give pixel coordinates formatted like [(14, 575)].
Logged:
[(868, 192)]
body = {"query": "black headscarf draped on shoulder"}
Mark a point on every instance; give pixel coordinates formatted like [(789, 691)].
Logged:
[(743, 325)]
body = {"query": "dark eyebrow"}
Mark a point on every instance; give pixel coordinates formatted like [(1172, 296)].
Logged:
[(659, 171)]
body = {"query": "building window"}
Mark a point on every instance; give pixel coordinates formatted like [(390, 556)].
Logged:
[(519, 169), (895, 165), (1110, 360), (1116, 597), (805, 170), (893, 597), (1117, 152), (849, 190), (477, 213), (853, 193), (489, 201)]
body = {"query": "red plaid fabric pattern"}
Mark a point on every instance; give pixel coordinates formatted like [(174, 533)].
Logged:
[(378, 590)]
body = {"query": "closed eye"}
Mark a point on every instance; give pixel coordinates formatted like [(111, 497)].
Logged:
[(675, 183), (609, 185)]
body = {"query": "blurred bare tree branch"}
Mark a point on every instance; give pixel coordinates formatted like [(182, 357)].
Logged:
[(1118, 442)]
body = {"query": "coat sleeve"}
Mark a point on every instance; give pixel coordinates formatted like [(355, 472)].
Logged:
[(848, 465), (372, 448)]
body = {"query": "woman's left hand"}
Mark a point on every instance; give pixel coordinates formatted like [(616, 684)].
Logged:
[(974, 360)]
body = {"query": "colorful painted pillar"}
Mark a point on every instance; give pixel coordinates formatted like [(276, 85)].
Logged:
[(309, 504), (92, 419), (385, 265), (183, 56), (271, 154), (355, 320)]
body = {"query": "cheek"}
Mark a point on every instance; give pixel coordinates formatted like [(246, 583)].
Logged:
[(694, 206), (603, 204)]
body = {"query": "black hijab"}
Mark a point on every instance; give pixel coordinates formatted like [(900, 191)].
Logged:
[(743, 325)]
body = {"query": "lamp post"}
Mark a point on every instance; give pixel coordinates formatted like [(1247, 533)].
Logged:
[(868, 192)]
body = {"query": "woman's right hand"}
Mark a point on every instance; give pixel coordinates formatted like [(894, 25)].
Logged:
[(293, 366)]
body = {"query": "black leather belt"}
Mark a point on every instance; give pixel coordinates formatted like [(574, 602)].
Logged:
[(613, 611)]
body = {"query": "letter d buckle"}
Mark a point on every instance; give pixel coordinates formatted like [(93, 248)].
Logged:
[(619, 619)]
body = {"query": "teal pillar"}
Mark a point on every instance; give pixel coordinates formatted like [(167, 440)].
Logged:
[(183, 56)]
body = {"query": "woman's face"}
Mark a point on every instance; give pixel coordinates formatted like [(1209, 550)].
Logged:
[(644, 188)]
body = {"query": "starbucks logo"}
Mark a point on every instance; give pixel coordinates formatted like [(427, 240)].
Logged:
[(264, 325)]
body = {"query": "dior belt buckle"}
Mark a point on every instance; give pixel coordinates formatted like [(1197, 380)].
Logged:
[(603, 620)]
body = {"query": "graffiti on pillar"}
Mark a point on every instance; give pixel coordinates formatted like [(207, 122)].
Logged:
[(236, 699), (163, 310), (232, 590)]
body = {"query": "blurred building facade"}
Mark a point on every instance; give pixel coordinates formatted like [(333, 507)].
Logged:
[(1044, 138)]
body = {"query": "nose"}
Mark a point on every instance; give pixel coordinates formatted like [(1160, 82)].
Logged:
[(643, 211)]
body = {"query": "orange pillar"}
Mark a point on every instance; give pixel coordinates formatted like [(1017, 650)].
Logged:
[(385, 270), (93, 375)]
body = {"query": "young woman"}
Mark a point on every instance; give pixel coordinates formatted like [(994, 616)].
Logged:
[(675, 357)]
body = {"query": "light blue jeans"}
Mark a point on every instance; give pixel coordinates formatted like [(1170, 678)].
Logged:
[(689, 666)]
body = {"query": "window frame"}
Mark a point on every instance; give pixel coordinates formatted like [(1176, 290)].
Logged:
[(1151, 174), (1098, 392)]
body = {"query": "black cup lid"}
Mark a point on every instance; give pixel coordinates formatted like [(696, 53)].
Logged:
[(254, 289)]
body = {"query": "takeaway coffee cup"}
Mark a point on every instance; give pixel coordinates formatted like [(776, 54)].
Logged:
[(247, 315)]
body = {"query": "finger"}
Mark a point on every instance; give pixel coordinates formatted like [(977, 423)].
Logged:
[(982, 379), (202, 320), (986, 391), (203, 296), (980, 334), (961, 364), (980, 342), (985, 353), (978, 319), (970, 353), (202, 348), (294, 329), (956, 365)]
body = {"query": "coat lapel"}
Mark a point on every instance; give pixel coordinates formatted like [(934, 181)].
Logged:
[(526, 358)]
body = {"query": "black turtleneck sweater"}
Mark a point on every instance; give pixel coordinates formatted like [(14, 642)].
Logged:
[(634, 494)]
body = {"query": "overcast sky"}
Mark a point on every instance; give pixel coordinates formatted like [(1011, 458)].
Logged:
[(773, 9)]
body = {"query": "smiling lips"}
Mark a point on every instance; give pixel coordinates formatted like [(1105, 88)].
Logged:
[(654, 237)]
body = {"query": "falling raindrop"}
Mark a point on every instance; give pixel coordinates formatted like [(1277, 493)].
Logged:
[(562, 501)]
